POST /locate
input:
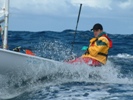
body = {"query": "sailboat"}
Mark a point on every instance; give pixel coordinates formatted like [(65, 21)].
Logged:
[(12, 59)]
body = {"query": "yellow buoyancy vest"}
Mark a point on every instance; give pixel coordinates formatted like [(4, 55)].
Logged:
[(98, 48)]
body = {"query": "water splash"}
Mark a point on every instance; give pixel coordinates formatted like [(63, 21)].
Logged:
[(19, 81), (53, 50), (123, 55)]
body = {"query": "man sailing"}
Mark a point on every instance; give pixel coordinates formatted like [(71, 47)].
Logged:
[(97, 52)]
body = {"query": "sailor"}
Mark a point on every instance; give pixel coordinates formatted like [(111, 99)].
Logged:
[(97, 52)]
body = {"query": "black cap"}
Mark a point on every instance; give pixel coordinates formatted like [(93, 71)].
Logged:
[(97, 26)]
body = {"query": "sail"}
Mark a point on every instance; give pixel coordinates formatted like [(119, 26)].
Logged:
[(2, 8)]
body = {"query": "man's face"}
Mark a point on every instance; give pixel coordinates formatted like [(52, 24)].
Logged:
[(97, 32)]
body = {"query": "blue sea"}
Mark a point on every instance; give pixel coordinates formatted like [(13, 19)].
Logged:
[(113, 81)]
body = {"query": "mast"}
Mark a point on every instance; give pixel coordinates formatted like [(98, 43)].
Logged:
[(5, 41)]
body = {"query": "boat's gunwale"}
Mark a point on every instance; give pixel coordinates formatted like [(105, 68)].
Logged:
[(26, 55)]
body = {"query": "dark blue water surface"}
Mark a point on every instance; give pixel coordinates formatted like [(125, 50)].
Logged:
[(114, 81)]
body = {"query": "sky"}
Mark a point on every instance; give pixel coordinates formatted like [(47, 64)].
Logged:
[(116, 16)]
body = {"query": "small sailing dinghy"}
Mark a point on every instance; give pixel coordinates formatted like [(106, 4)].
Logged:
[(8, 58)]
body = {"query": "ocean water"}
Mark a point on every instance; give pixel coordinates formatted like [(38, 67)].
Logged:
[(114, 81)]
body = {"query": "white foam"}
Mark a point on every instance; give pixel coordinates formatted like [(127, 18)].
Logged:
[(123, 55), (58, 74), (63, 73)]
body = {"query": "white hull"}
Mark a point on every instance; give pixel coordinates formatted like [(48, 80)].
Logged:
[(18, 71), (11, 61)]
